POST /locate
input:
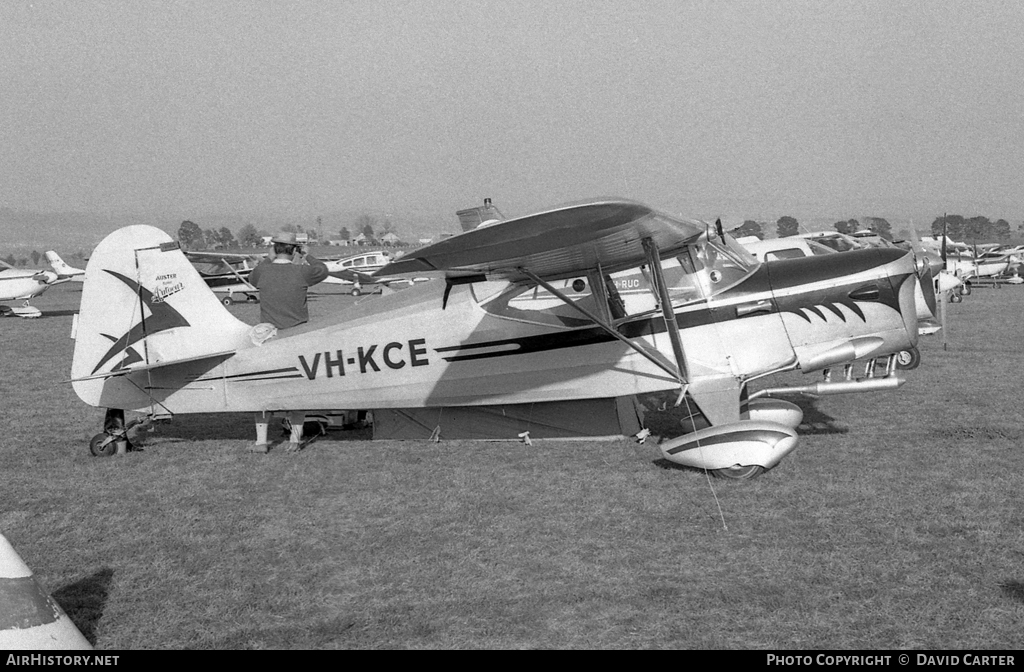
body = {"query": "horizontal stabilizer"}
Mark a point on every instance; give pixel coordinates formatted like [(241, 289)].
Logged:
[(149, 367)]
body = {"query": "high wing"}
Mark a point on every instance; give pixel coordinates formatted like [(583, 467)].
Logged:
[(563, 242)]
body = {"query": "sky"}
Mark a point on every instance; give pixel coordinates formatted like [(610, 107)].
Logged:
[(747, 109)]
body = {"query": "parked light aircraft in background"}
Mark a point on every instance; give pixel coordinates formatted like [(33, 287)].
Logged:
[(17, 284), (967, 263), (356, 270), (152, 338), (63, 271), (227, 273)]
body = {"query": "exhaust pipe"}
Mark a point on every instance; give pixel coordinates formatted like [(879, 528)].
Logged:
[(836, 387)]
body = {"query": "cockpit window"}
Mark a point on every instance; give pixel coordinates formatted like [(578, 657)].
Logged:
[(533, 303), (702, 270)]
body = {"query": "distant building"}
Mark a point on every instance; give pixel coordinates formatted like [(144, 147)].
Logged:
[(390, 239), (344, 242)]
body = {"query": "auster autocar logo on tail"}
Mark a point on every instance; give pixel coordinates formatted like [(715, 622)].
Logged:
[(162, 317)]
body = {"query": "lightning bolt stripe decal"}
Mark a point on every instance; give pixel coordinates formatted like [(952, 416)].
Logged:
[(162, 317)]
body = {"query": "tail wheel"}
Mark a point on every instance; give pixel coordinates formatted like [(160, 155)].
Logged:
[(99, 449), (740, 472)]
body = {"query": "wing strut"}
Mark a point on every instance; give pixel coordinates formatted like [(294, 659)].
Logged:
[(654, 261), (239, 276), (653, 356)]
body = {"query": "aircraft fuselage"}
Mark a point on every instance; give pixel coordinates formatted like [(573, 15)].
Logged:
[(405, 350)]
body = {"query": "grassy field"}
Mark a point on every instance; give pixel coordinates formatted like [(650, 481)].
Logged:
[(897, 523)]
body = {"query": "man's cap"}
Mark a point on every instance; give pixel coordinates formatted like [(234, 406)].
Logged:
[(286, 237)]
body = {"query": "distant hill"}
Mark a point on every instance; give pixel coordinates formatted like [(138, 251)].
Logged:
[(22, 231)]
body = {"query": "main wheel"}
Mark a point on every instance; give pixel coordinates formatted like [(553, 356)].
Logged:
[(955, 298), (908, 359), (356, 291), (967, 289), (227, 301), (98, 449), (740, 472)]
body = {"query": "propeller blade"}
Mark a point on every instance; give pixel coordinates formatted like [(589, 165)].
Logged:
[(928, 290)]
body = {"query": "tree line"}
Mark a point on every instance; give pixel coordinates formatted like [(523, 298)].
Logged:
[(973, 229), (191, 236), (960, 228)]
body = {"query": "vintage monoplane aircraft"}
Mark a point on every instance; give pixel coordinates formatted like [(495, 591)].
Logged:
[(152, 338)]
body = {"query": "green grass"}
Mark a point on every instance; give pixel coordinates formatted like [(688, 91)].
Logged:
[(897, 523)]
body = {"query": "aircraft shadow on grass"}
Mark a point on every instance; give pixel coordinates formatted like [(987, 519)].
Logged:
[(233, 426), (1013, 590), (84, 601)]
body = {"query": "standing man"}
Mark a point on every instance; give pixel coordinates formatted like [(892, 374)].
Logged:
[(282, 280)]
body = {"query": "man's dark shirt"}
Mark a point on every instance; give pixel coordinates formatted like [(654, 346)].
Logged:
[(283, 290)]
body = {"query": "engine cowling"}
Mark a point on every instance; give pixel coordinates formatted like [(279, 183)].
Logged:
[(744, 443)]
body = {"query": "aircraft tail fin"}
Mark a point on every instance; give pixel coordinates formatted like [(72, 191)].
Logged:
[(144, 305), (61, 268)]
